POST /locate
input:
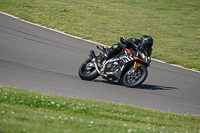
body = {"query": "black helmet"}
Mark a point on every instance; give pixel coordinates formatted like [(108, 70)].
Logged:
[(146, 42)]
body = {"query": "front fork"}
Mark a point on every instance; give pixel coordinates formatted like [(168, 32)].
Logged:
[(135, 63), (134, 68)]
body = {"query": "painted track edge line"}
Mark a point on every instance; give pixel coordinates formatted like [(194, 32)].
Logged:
[(87, 40)]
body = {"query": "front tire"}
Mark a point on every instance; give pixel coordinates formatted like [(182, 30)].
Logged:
[(87, 73), (134, 79)]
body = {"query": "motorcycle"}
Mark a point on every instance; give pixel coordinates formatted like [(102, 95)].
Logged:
[(129, 66)]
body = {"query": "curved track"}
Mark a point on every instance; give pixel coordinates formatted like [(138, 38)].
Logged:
[(36, 58)]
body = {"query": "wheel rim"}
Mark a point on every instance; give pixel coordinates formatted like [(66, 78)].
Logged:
[(87, 68), (132, 77)]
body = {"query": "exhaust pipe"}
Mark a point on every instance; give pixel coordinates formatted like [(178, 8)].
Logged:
[(93, 58)]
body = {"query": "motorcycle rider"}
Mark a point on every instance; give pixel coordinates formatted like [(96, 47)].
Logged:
[(145, 42)]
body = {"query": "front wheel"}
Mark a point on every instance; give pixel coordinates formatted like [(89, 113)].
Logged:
[(87, 70), (133, 78)]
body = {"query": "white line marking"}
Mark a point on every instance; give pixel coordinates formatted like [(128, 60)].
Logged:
[(87, 40)]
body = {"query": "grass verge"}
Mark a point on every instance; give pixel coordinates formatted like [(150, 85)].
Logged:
[(30, 111), (174, 25)]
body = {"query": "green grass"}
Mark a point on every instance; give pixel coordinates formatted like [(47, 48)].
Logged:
[(173, 24), (25, 111)]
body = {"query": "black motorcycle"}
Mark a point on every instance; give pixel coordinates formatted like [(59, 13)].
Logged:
[(129, 66)]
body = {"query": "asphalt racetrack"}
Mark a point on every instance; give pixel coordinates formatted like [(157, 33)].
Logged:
[(36, 58)]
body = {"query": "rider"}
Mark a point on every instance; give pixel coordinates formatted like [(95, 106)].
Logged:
[(145, 42)]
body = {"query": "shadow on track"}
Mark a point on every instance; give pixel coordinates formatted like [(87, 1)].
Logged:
[(142, 86), (155, 87)]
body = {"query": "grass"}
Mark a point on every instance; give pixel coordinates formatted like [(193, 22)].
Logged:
[(30, 111), (174, 25)]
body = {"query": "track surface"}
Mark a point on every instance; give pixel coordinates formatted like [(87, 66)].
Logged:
[(39, 59)]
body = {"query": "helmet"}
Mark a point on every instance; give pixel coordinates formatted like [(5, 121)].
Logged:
[(146, 42)]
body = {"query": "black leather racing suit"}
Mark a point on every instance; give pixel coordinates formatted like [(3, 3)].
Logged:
[(116, 48)]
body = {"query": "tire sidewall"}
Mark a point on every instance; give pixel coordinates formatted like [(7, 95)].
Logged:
[(90, 76), (140, 81)]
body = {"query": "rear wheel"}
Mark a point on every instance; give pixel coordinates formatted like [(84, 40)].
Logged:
[(87, 70), (133, 78)]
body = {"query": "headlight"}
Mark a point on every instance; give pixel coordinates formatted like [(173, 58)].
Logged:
[(143, 56)]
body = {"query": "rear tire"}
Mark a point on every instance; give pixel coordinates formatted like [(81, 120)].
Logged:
[(135, 79), (85, 73)]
